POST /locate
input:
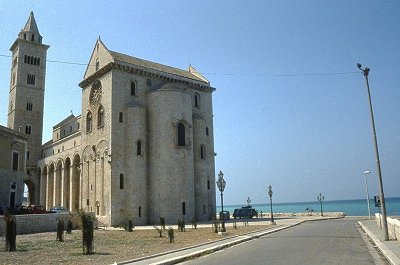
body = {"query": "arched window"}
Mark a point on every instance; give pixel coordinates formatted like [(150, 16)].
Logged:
[(181, 134), (121, 117), (100, 117), (196, 100), (133, 88), (121, 181), (202, 151), (89, 122), (208, 184), (28, 129), (139, 148), (183, 208)]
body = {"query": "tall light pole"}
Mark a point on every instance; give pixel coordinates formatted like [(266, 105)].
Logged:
[(378, 163), (367, 193), (321, 198), (221, 186), (270, 192)]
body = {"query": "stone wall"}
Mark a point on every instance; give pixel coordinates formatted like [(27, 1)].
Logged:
[(393, 226), (34, 223)]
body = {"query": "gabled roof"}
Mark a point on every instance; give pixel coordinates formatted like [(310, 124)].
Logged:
[(70, 117), (155, 66), (31, 25)]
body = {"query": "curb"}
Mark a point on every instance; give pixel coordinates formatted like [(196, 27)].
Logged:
[(389, 255)]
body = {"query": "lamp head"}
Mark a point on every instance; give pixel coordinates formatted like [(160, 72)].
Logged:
[(359, 66), (367, 172)]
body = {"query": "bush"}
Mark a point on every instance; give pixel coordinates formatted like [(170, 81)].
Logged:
[(171, 235), (194, 223), (69, 226), (159, 230), (11, 231), (181, 224), (87, 234), (130, 226), (215, 222), (162, 222), (60, 230)]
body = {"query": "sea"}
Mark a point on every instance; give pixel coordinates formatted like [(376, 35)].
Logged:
[(357, 207)]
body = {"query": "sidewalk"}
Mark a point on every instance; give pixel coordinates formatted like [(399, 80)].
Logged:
[(180, 255), (390, 249)]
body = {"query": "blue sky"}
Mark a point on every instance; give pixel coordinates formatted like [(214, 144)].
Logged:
[(290, 109)]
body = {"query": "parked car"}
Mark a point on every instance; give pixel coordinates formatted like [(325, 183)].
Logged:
[(244, 212), (224, 214), (37, 209), (58, 209)]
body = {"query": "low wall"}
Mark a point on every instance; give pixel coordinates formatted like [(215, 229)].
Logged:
[(393, 226), (34, 223)]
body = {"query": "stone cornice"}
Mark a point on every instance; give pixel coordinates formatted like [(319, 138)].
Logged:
[(144, 73)]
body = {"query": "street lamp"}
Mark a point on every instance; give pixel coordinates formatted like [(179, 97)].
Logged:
[(221, 186), (378, 163), (320, 198), (366, 191), (270, 192)]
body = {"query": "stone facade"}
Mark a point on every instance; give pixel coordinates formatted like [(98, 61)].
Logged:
[(142, 149)]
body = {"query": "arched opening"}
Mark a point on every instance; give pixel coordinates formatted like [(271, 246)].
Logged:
[(29, 191), (100, 117), (139, 148), (196, 100), (181, 134), (89, 122), (133, 88)]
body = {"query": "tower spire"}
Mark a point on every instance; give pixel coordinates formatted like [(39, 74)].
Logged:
[(31, 32)]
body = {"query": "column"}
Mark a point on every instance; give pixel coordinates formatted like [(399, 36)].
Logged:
[(71, 189), (47, 196)]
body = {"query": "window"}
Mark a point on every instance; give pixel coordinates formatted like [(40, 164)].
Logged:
[(29, 106), (28, 154), (202, 151), (30, 80), (139, 148), (28, 129), (100, 117), (207, 132), (24, 36), (121, 117), (183, 208), (140, 211), (196, 100), (38, 61), (33, 37), (208, 184), (181, 134), (89, 122), (15, 158), (97, 64), (133, 89), (121, 181)]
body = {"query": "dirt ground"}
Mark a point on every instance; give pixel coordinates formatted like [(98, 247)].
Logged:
[(109, 245)]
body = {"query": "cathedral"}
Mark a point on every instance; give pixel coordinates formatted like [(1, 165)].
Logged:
[(142, 148)]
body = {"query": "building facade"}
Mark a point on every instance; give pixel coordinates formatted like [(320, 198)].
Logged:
[(142, 148)]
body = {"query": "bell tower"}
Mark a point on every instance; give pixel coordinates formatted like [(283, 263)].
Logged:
[(26, 95)]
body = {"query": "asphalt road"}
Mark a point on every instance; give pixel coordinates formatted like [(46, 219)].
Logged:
[(322, 242)]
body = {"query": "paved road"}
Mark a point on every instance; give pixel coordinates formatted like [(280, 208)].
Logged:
[(322, 242)]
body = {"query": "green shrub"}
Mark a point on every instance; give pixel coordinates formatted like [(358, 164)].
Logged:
[(60, 230), (87, 234), (162, 222), (159, 230), (171, 235), (215, 223), (69, 226), (11, 231), (194, 223), (130, 225), (181, 224)]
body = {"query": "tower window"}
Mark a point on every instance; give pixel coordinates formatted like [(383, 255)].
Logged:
[(202, 151), (28, 154), (183, 208), (139, 148), (28, 129), (121, 117), (100, 117), (29, 106), (207, 132), (33, 37), (25, 59), (89, 122), (15, 160), (208, 184), (38, 61), (24, 36), (133, 88), (181, 134), (121, 181), (30, 80), (196, 100)]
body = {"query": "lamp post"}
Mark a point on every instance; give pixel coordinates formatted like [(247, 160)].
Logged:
[(221, 186), (367, 193), (320, 198), (270, 192), (378, 163)]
